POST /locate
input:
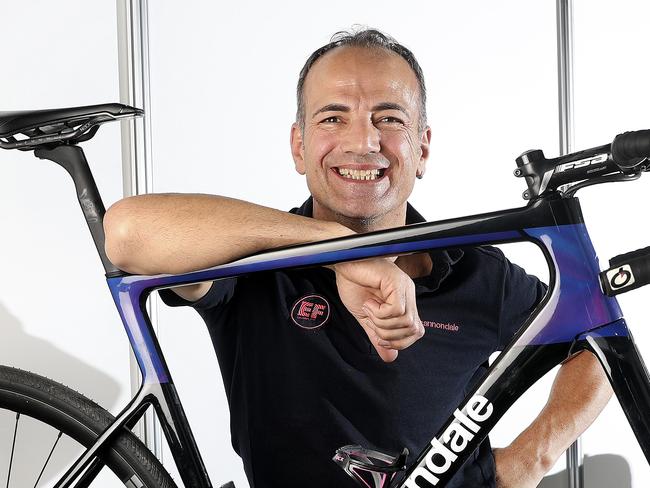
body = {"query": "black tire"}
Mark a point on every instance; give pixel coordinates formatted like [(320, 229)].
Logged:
[(83, 420)]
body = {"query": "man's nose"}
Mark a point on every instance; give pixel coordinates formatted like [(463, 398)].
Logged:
[(362, 137)]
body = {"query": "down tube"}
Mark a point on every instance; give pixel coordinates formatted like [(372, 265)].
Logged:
[(516, 370)]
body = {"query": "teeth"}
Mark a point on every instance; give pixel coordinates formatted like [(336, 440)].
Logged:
[(360, 174)]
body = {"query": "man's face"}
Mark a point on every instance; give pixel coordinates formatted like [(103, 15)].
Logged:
[(361, 147)]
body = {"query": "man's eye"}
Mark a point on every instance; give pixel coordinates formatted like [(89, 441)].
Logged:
[(330, 120), (391, 120)]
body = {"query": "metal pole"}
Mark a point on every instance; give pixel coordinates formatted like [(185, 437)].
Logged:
[(564, 14), (565, 73), (137, 163)]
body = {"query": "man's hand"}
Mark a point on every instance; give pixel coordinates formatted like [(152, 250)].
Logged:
[(382, 299), (516, 469)]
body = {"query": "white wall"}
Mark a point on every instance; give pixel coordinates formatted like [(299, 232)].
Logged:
[(56, 315), (611, 82)]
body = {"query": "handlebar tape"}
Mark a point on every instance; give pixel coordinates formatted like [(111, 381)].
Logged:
[(629, 146), (627, 272)]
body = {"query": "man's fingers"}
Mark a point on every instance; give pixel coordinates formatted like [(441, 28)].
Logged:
[(391, 323), (400, 338), (398, 320), (394, 305), (398, 345), (386, 354), (382, 298), (411, 331)]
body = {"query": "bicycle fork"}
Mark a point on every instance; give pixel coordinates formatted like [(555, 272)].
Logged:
[(614, 347)]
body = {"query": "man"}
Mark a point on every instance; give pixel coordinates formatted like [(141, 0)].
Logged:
[(315, 359)]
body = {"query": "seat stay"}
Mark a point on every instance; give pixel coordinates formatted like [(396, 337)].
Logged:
[(129, 415), (164, 398)]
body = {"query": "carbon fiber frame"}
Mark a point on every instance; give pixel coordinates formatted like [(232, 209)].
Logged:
[(574, 315)]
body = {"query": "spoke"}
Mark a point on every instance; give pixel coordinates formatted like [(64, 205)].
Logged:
[(13, 445), (48, 458)]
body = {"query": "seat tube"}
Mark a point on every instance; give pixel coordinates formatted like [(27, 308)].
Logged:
[(130, 294)]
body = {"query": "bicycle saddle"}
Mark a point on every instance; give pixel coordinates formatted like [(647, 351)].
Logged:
[(71, 125)]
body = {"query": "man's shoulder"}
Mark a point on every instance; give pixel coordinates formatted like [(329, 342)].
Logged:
[(491, 254), (483, 258), (490, 263)]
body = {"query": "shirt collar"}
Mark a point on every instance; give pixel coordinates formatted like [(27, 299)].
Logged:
[(443, 259)]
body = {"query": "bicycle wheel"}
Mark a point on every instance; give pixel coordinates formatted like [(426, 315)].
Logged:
[(46, 426)]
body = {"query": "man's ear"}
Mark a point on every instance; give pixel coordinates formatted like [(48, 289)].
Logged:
[(425, 142), (297, 148)]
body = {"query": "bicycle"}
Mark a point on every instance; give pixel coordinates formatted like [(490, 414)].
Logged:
[(555, 331)]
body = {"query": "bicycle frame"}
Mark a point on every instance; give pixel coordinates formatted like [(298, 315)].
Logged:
[(574, 315)]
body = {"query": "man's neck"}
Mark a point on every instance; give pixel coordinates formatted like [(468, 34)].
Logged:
[(362, 225), (414, 265)]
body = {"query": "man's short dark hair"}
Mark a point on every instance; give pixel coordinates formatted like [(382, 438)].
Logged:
[(369, 39)]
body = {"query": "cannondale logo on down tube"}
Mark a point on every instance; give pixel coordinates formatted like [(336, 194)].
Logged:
[(453, 441), (310, 312)]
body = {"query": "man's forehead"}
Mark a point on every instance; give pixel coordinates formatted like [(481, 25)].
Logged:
[(350, 72)]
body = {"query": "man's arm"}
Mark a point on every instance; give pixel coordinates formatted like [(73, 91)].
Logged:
[(179, 233), (579, 393)]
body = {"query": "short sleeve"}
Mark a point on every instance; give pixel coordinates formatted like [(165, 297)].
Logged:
[(521, 294), (219, 294)]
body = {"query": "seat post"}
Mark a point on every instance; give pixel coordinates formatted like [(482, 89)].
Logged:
[(74, 161)]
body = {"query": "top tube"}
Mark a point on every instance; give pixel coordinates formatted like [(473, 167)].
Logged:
[(554, 224)]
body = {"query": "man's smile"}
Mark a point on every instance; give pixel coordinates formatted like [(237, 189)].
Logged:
[(360, 175)]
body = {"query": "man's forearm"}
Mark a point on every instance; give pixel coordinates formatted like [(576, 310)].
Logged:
[(177, 233), (579, 393)]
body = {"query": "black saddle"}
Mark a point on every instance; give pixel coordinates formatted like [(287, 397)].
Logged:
[(55, 126)]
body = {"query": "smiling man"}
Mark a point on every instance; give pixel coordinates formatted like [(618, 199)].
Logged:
[(378, 352), (360, 136)]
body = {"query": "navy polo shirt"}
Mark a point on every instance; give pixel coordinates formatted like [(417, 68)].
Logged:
[(302, 378)]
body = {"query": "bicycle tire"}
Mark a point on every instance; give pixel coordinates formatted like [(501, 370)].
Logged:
[(83, 420)]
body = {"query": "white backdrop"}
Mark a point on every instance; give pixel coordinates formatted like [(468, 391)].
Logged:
[(223, 81), (56, 315)]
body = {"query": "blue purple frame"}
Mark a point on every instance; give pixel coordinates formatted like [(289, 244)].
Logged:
[(574, 315)]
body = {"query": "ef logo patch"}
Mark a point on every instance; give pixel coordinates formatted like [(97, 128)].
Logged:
[(310, 312)]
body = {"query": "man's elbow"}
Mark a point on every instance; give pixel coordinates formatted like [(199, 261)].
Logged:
[(119, 235)]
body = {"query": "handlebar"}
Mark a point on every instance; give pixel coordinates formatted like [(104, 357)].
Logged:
[(628, 147), (624, 159)]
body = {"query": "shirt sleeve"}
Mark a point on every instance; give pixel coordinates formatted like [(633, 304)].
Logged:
[(521, 294), (219, 294)]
